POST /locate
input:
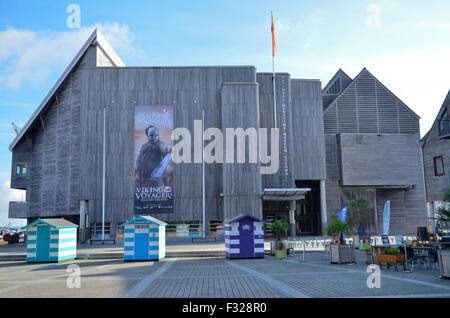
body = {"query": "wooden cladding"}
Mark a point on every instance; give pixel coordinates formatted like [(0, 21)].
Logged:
[(367, 106)]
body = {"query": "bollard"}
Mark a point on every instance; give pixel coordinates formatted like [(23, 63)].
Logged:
[(304, 249)]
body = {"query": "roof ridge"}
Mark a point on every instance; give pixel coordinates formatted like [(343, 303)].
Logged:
[(96, 38)]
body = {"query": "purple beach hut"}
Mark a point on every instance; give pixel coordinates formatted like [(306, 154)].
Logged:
[(244, 237)]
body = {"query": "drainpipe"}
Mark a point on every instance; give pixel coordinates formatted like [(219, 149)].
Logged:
[(323, 207)]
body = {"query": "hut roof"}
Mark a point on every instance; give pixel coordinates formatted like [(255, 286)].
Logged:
[(243, 216), (145, 218), (55, 223)]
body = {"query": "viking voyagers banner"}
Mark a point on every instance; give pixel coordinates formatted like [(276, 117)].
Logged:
[(152, 159)]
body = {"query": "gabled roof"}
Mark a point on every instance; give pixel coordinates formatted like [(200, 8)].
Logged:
[(243, 216), (145, 218), (340, 75), (444, 106), (55, 223), (365, 71), (97, 39)]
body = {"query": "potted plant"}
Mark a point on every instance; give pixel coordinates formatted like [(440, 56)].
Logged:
[(391, 256), (341, 252), (443, 217), (360, 210), (443, 212), (278, 227)]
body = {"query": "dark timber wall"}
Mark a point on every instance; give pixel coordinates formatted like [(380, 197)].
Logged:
[(241, 182), (284, 178), (434, 146), (188, 89), (308, 150), (372, 149)]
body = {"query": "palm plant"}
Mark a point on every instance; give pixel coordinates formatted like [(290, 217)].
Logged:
[(278, 227), (443, 212), (337, 227), (360, 211)]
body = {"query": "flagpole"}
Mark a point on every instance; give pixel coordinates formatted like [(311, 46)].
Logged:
[(273, 77), (104, 172), (203, 175)]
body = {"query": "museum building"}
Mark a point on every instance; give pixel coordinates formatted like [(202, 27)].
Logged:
[(99, 146)]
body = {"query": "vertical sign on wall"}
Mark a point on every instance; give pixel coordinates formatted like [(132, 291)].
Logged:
[(284, 133), (153, 166)]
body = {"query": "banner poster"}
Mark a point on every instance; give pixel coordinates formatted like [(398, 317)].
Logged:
[(152, 159)]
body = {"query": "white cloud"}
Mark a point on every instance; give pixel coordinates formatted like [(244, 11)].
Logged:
[(32, 56), (6, 195)]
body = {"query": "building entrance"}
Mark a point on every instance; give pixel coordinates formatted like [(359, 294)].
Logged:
[(272, 211), (307, 212)]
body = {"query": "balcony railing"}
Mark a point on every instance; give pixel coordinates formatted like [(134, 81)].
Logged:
[(444, 128), (18, 209)]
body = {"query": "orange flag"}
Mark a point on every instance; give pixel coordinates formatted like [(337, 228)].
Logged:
[(273, 37)]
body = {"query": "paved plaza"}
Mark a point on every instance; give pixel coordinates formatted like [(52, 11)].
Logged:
[(214, 277)]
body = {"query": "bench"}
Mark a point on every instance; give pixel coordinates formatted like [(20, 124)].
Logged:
[(204, 238), (102, 240)]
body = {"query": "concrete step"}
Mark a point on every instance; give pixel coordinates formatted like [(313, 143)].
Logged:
[(119, 255)]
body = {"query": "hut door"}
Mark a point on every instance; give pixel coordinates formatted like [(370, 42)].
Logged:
[(247, 239), (141, 242), (43, 242)]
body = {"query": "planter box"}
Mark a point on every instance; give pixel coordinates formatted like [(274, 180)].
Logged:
[(444, 262), (274, 246), (391, 259), (342, 254), (280, 254)]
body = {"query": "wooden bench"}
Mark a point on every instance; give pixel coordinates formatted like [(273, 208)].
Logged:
[(102, 240), (201, 238)]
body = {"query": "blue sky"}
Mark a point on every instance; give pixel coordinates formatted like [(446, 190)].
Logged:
[(403, 43)]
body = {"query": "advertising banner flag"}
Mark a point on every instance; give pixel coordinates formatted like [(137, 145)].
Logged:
[(342, 215), (153, 167), (386, 217)]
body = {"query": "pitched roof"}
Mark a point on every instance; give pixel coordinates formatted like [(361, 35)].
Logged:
[(56, 223), (445, 105), (344, 81), (145, 218), (365, 71), (96, 38), (243, 216)]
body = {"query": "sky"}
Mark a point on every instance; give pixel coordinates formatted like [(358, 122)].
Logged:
[(402, 43)]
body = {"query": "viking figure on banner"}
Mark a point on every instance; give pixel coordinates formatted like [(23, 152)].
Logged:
[(152, 164)]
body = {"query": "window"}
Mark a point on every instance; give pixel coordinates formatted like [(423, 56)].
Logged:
[(438, 166), (120, 230), (21, 169)]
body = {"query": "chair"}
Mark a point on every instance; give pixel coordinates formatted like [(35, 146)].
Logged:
[(432, 256), (410, 256)]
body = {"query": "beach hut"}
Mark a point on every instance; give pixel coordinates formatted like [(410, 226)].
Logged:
[(51, 240), (144, 239), (244, 237)]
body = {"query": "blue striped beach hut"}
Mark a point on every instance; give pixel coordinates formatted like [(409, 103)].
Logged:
[(244, 237), (144, 239), (51, 240)]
